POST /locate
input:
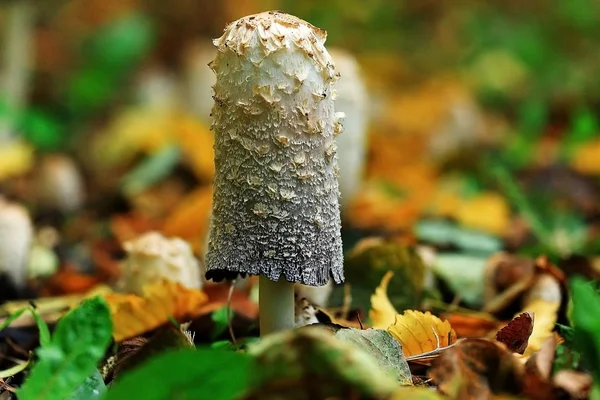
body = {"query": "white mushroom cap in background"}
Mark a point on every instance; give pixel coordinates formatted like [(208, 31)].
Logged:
[(152, 257), (159, 89), (353, 101), (58, 184), (199, 78), (16, 238)]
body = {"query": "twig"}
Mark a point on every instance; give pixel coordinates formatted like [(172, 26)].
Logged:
[(359, 321), (229, 324), (347, 301)]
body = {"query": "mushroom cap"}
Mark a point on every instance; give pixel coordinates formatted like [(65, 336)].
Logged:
[(276, 200)]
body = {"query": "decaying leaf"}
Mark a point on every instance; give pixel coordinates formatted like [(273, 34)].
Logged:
[(311, 363), (133, 315), (382, 313), (540, 384), (471, 325), (382, 346), (483, 368), (420, 332), (515, 334)]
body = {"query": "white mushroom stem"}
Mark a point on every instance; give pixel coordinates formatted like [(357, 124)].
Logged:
[(16, 238), (16, 61), (276, 305)]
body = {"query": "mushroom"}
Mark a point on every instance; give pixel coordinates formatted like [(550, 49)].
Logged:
[(58, 184), (199, 79), (352, 145), (276, 207), (16, 237), (151, 257)]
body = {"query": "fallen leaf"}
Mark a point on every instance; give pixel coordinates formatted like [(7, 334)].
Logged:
[(382, 346), (577, 384), (382, 313), (516, 334), (483, 368), (420, 332), (312, 363), (586, 159), (471, 325), (218, 295), (190, 219), (133, 315), (17, 158), (543, 301)]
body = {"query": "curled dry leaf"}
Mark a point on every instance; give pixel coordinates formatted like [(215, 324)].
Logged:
[(133, 315), (382, 313), (516, 334), (482, 367), (420, 333), (471, 325)]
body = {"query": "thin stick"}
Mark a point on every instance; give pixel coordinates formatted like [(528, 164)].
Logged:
[(229, 324)]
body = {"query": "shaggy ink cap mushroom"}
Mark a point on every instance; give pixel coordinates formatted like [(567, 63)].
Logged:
[(276, 206)]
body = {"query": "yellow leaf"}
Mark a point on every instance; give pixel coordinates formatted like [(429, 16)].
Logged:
[(133, 315), (382, 313), (545, 314), (586, 159), (488, 212), (420, 333), (196, 142), (190, 219), (16, 158)]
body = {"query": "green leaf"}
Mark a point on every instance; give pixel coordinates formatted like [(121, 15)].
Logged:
[(78, 344), (92, 387), (120, 43), (41, 324), (43, 130), (151, 170), (586, 323), (463, 273), (441, 232), (314, 361), (383, 347), (219, 317), (187, 374)]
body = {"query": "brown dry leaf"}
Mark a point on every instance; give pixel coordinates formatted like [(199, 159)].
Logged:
[(577, 384), (218, 295), (515, 334), (68, 281), (471, 325), (133, 315), (420, 332), (190, 219), (382, 313), (482, 367)]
